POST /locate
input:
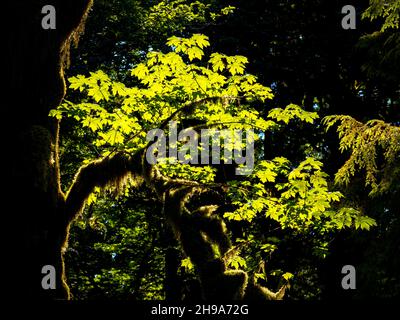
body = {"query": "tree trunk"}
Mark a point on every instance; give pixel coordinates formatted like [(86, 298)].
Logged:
[(35, 84)]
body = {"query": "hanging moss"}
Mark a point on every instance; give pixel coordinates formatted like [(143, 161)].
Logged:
[(199, 229)]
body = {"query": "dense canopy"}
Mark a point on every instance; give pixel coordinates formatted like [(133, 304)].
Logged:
[(207, 150)]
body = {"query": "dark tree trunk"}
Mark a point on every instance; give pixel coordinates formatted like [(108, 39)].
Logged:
[(35, 84), (172, 283)]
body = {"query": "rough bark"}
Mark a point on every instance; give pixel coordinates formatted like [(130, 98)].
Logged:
[(191, 210)]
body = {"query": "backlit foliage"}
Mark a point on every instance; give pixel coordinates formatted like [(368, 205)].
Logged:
[(175, 15), (213, 90), (297, 198), (389, 10), (374, 147)]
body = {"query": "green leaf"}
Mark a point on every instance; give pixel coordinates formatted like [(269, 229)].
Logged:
[(287, 276), (187, 264), (201, 40), (364, 222), (140, 71), (195, 53)]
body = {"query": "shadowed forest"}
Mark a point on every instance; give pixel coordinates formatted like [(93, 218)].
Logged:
[(319, 189)]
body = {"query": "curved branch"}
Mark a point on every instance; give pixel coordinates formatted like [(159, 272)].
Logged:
[(99, 173)]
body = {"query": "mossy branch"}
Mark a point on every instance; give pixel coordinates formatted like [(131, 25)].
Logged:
[(197, 230), (100, 173)]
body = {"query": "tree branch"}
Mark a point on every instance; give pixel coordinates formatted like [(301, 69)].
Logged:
[(99, 173)]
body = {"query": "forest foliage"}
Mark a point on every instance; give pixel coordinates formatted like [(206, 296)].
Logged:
[(285, 217)]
